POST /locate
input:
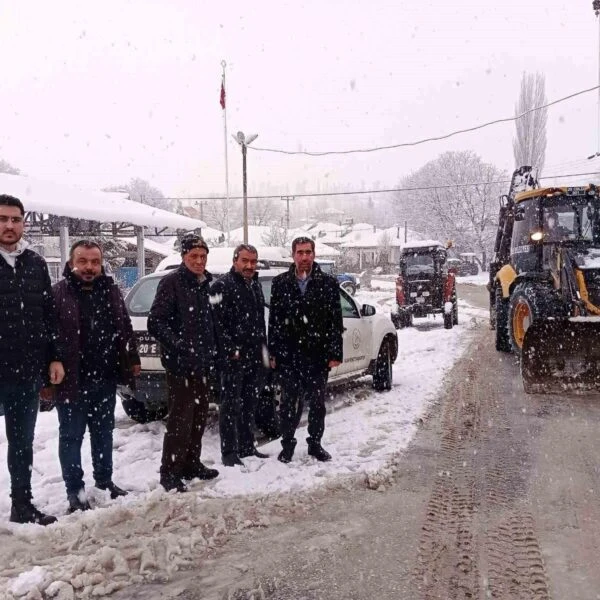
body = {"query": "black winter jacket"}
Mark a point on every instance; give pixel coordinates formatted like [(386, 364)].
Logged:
[(120, 350), (181, 320), (305, 328), (28, 324), (239, 308)]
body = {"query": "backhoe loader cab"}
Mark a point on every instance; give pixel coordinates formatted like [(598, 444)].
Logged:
[(545, 284)]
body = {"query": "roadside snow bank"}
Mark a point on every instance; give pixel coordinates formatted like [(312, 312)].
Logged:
[(150, 534)]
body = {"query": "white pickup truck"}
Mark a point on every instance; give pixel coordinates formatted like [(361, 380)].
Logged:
[(370, 348)]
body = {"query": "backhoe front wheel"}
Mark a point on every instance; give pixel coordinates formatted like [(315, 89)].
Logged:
[(523, 310)]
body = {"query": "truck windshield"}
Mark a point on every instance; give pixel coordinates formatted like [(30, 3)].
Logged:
[(418, 263)]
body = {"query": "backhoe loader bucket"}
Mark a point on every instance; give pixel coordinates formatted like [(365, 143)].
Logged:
[(561, 355)]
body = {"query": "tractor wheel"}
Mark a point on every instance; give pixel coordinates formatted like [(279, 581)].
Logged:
[(382, 377), (501, 322), (454, 307), (448, 320)]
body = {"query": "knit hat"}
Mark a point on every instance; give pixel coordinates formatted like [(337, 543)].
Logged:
[(190, 241)]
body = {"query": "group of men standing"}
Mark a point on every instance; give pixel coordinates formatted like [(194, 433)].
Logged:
[(70, 344), (213, 340)]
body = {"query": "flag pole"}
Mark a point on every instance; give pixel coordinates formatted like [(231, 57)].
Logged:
[(224, 107)]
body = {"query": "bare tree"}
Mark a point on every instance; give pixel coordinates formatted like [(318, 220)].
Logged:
[(464, 206), (529, 144), (276, 236), (262, 211), (6, 167)]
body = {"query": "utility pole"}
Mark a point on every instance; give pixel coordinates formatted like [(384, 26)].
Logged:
[(289, 199), (596, 7), (243, 141)]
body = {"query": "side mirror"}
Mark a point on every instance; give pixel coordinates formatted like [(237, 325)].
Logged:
[(367, 310), (519, 213)]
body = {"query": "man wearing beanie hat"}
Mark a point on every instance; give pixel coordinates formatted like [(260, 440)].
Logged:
[(181, 320)]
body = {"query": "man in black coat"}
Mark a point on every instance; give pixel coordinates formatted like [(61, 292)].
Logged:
[(305, 342), (239, 307), (29, 352), (99, 352), (181, 320)]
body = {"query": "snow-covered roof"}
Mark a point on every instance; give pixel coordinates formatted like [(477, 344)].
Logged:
[(324, 226), (423, 244), (361, 227), (152, 246), (63, 200), (322, 249)]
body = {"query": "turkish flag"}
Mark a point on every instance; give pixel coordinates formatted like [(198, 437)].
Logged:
[(222, 100)]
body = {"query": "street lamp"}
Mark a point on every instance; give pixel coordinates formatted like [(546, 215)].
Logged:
[(244, 141)]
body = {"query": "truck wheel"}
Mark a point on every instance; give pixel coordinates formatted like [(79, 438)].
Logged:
[(501, 322), (383, 375), (448, 320), (138, 411)]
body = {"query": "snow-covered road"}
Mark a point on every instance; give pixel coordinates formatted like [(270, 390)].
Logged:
[(150, 533)]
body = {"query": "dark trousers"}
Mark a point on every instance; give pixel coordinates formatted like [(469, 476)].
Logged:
[(21, 403), (94, 409), (188, 409), (300, 385), (241, 385)]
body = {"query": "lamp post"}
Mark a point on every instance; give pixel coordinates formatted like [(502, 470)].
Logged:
[(596, 7), (244, 141)]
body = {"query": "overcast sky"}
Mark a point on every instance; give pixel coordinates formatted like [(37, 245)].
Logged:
[(99, 92)]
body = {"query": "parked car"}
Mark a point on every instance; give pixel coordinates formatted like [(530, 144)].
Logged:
[(370, 348), (348, 282)]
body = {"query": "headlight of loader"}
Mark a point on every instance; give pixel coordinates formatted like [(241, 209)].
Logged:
[(536, 236)]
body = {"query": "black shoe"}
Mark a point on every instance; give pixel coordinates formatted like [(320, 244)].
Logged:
[(231, 460), (253, 452), (202, 472), (25, 512), (115, 490), (171, 482), (76, 503), (285, 456), (318, 452)]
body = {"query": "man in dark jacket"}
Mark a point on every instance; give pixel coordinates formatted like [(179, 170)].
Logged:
[(239, 306), (182, 321), (100, 351), (305, 342), (29, 352)]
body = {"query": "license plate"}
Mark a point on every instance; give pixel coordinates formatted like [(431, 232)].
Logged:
[(421, 300), (147, 345)]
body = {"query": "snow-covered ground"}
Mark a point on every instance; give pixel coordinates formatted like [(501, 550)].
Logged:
[(149, 533)]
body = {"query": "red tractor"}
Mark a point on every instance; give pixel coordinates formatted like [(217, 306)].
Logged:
[(425, 284)]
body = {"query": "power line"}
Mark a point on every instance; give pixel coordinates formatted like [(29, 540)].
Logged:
[(424, 141), (384, 191)]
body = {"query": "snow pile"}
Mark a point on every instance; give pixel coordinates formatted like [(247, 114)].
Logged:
[(150, 534)]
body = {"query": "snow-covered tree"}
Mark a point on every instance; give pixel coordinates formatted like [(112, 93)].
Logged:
[(460, 204), (140, 190), (529, 143)]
